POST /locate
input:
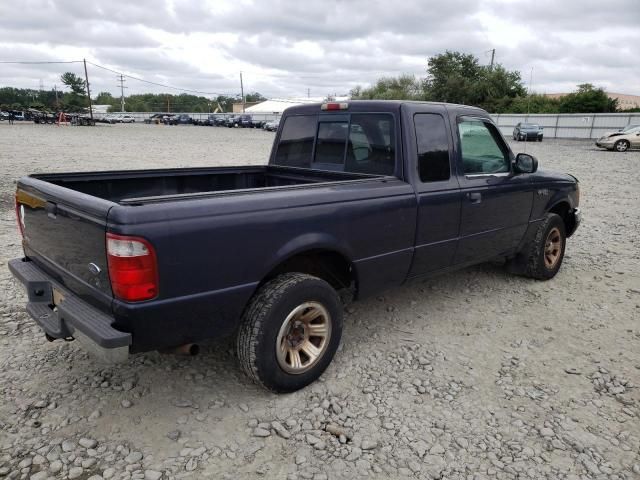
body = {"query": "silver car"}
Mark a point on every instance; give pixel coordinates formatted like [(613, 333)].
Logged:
[(621, 141)]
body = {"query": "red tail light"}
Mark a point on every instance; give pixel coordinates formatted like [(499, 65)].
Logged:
[(334, 106), (20, 216), (133, 268)]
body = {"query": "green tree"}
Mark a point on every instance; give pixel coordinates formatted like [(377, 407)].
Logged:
[(404, 87), (588, 99), (76, 99), (452, 77)]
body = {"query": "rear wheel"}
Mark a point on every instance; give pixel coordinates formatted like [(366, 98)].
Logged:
[(621, 146), (290, 332)]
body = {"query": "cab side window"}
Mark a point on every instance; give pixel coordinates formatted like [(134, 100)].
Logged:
[(483, 151), (433, 147)]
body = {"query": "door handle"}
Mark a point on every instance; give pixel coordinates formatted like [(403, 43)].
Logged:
[(474, 197)]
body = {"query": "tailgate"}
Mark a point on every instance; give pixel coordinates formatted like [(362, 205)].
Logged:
[(64, 234)]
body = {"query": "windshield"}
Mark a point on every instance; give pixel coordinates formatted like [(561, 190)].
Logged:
[(529, 125), (628, 128)]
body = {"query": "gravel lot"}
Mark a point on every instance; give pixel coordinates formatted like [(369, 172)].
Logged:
[(472, 375)]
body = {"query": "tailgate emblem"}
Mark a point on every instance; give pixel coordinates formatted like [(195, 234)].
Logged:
[(95, 269)]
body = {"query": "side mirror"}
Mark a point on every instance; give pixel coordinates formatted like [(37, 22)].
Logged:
[(526, 163)]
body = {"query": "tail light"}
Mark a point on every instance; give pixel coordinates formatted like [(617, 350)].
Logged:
[(334, 106), (133, 268), (20, 216)]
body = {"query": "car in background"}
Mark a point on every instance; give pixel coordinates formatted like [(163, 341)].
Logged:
[(125, 119), (106, 118), (180, 119), (621, 141), (4, 116), (271, 125), (231, 121), (527, 131), (155, 119)]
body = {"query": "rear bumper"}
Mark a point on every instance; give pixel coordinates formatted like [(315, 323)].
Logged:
[(70, 316)]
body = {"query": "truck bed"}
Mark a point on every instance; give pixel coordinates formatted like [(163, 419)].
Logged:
[(127, 187)]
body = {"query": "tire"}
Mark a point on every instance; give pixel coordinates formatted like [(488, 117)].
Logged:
[(621, 146), (537, 254), (266, 320), (539, 139)]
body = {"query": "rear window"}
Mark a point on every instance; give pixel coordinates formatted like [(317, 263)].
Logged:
[(357, 143)]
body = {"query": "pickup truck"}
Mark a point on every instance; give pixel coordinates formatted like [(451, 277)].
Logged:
[(357, 197)]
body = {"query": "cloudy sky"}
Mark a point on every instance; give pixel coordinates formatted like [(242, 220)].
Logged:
[(285, 47)]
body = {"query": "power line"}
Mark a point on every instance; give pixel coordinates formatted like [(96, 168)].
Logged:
[(38, 63), (159, 84)]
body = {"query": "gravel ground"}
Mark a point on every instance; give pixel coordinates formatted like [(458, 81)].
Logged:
[(472, 375)]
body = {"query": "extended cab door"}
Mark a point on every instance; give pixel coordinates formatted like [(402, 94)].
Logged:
[(436, 184), (496, 203)]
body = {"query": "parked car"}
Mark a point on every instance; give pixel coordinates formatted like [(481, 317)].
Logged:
[(180, 119), (4, 115), (621, 141), (155, 119), (133, 261), (271, 125), (123, 118), (231, 121), (527, 131)]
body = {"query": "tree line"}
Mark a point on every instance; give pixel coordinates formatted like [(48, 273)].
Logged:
[(74, 99), (456, 77), (451, 77)]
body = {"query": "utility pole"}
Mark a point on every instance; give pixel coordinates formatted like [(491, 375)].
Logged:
[(86, 78), (242, 92), (308, 93), (168, 106), (55, 89), (121, 81), (493, 56)]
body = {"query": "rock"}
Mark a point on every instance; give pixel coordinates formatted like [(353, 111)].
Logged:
[(25, 462), (108, 473), (337, 430), (174, 435), (244, 407), (55, 466), (88, 442), (126, 403), (368, 444), (571, 371), (96, 414), (133, 457), (437, 449), (546, 432), (420, 447), (152, 475), (280, 429), (68, 446), (462, 442), (261, 432), (355, 454), (311, 439), (42, 475), (300, 459), (75, 472), (191, 465), (126, 386)]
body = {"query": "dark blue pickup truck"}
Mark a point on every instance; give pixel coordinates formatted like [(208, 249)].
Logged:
[(357, 197)]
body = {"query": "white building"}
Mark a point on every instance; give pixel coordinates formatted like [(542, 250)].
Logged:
[(276, 106)]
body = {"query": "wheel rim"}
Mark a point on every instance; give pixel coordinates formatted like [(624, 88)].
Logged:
[(303, 337), (621, 146), (552, 248)]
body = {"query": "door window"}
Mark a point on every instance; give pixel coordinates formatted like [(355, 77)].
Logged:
[(433, 147), (483, 151)]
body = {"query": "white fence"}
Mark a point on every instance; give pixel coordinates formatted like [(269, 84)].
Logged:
[(568, 125), (564, 125)]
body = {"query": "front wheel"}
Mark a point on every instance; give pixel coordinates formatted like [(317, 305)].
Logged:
[(290, 332), (542, 256), (621, 146)]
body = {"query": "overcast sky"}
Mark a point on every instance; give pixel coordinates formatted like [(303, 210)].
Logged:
[(284, 47)]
